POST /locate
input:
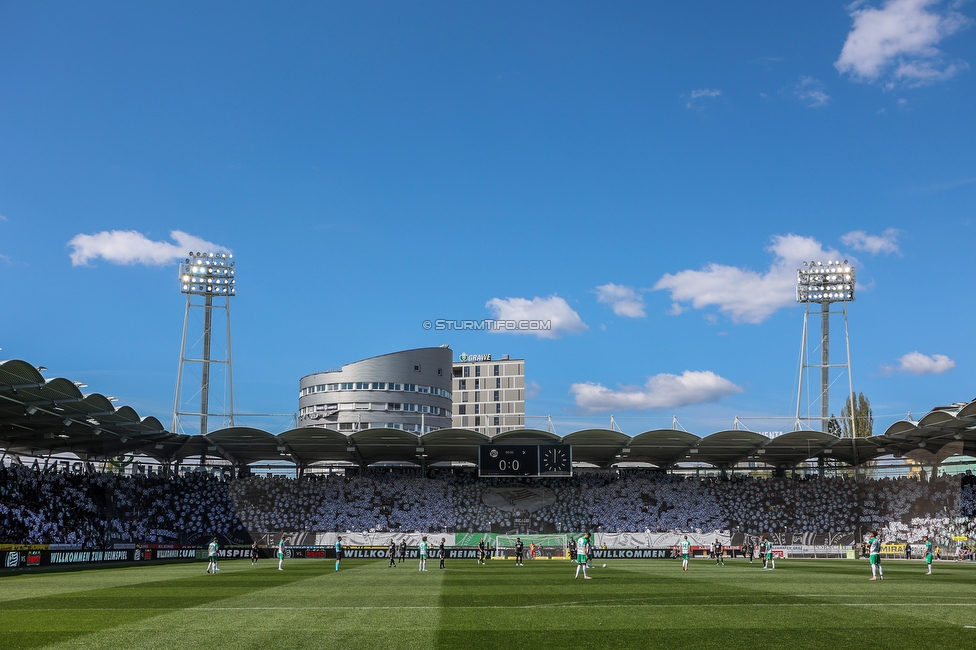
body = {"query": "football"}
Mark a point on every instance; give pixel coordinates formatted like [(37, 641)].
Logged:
[(604, 566)]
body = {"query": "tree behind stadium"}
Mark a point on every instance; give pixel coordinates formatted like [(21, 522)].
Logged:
[(863, 420)]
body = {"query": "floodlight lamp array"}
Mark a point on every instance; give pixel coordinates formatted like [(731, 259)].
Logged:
[(831, 281), (208, 274)]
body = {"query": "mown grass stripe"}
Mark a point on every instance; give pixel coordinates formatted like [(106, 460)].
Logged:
[(639, 603)]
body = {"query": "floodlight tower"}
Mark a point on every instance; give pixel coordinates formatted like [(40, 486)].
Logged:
[(824, 284), (210, 276)]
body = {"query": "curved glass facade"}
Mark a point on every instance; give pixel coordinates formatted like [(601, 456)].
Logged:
[(408, 390)]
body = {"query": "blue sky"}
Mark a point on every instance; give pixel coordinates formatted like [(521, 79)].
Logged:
[(648, 176)]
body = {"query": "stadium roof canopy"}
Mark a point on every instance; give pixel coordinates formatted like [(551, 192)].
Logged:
[(40, 417)]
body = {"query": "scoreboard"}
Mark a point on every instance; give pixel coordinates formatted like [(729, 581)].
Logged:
[(525, 460)]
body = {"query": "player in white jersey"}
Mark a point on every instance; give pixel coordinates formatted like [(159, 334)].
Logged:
[(212, 556), (685, 552), (422, 551), (281, 553), (582, 551)]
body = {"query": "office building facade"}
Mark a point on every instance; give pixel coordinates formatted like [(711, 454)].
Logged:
[(488, 394)]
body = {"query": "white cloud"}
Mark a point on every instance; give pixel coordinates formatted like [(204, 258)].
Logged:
[(897, 42), (624, 300), (742, 294), (532, 390), (131, 247), (916, 363), (663, 391), (701, 93), (947, 185), (810, 91), (552, 310), (886, 242)]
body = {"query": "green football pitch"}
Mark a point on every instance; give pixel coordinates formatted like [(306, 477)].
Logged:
[(629, 604)]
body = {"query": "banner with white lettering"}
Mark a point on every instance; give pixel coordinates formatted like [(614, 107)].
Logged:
[(68, 556)]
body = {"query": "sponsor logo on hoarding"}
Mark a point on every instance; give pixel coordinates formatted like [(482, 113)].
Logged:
[(88, 556), (628, 553), (13, 560)]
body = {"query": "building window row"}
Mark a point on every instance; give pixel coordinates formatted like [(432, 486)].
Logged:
[(491, 420), (372, 406), (462, 409), (496, 396), (462, 384), (495, 369), (361, 426), (375, 385)]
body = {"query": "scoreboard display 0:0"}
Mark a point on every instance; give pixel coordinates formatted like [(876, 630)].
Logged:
[(508, 460)]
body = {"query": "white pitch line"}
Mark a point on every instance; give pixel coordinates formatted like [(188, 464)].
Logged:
[(853, 596), (586, 605)]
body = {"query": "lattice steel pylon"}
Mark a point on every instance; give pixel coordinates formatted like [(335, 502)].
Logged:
[(209, 282), (824, 284)]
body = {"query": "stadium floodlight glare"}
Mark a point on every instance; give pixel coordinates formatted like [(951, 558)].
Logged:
[(821, 282), (208, 274), (212, 276), (824, 283)]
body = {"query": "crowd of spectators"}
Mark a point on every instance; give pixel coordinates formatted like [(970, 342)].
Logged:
[(94, 509)]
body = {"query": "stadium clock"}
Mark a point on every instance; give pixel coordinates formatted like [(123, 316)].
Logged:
[(556, 460)]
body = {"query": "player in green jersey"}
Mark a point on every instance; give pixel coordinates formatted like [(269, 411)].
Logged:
[(582, 550), (212, 556), (422, 551), (928, 555), (874, 556), (769, 562), (338, 550), (685, 553)]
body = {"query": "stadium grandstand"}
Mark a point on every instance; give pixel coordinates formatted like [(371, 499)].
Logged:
[(387, 482), (41, 417)]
